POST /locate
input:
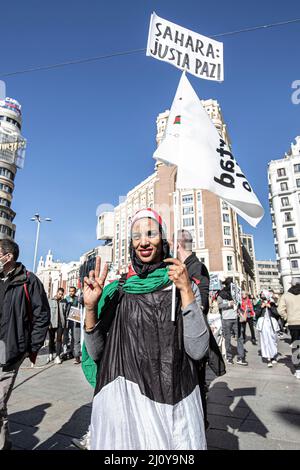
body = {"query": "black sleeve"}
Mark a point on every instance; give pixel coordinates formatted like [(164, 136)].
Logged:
[(258, 312), (200, 272), (40, 313)]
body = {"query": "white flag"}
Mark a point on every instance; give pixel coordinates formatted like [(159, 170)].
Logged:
[(204, 160), (197, 54)]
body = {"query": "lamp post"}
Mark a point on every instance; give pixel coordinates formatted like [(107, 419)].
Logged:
[(37, 218)]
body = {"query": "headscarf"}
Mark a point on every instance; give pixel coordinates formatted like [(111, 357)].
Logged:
[(143, 269)]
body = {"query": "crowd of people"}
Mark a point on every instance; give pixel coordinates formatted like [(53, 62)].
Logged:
[(266, 316), (148, 372), (64, 335)]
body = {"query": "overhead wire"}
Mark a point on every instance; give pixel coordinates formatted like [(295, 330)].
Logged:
[(135, 51)]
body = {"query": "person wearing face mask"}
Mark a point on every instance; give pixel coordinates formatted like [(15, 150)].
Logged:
[(147, 392), (24, 321)]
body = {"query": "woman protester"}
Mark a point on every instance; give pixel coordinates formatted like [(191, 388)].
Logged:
[(246, 307), (268, 327), (147, 394)]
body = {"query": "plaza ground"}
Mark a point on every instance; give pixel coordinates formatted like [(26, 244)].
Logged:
[(252, 407)]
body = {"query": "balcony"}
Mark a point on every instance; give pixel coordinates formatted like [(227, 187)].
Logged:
[(282, 178), (292, 239)]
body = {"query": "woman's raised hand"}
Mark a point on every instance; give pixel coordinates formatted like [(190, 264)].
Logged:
[(93, 285)]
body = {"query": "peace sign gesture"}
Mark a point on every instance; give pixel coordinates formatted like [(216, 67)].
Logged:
[(93, 285)]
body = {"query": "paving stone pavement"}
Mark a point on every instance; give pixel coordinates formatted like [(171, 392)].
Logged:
[(252, 407)]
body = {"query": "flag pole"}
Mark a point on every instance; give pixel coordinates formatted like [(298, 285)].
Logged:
[(175, 206)]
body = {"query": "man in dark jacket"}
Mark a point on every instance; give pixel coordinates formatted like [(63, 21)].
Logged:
[(24, 320), (197, 271), (199, 274)]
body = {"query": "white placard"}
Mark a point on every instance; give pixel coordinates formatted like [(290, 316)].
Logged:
[(185, 49)]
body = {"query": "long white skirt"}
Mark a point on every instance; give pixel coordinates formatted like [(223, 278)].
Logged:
[(268, 337)]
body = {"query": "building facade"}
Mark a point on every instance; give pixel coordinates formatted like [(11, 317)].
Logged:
[(12, 147), (249, 262), (211, 221), (268, 276), (55, 274), (284, 202)]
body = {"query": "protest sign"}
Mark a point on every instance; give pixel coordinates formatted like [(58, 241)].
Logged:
[(185, 49)]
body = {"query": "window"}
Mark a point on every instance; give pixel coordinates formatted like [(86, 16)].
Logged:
[(287, 216), (294, 264), (199, 197), (4, 215), (285, 201), (229, 263), (298, 182), (297, 168), (188, 210), (227, 230), (283, 186), (6, 230), (4, 187), (224, 206), (6, 173), (292, 249), (200, 220), (189, 221), (4, 202), (226, 218), (281, 172), (290, 232), (187, 199), (227, 241)]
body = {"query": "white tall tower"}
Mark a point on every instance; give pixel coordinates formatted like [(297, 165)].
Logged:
[(12, 148)]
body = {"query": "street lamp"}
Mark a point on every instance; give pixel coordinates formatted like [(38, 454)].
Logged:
[(37, 218)]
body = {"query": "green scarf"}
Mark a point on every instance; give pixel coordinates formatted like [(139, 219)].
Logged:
[(133, 285)]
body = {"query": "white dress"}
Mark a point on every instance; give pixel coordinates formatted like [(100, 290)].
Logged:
[(268, 327)]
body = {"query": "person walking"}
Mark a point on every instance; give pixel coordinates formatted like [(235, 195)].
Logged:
[(267, 326), (231, 324), (198, 274), (24, 321), (74, 327), (147, 393), (246, 307), (197, 270), (58, 308), (289, 310)]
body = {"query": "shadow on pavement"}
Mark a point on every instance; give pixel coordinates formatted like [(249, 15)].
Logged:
[(287, 361), (290, 415), (76, 426), (24, 425), (225, 422)]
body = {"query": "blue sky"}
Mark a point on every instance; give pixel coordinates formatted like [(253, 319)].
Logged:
[(91, 127)]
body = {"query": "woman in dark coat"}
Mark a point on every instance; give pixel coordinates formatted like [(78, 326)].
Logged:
[(147, 393)]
